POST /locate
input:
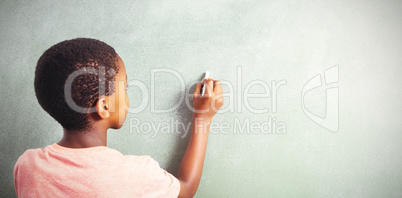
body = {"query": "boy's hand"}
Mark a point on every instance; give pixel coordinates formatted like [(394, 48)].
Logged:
[(206, 106)]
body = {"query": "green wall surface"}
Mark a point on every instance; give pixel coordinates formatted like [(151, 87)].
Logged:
[(312, 89)]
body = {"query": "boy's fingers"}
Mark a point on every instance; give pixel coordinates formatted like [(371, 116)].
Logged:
[(210, 87), (198, 88), (217, 87)]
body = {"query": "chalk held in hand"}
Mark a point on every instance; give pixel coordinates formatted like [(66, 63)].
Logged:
[(203, 87)]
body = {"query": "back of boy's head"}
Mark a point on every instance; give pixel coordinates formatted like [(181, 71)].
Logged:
[(58, 63)]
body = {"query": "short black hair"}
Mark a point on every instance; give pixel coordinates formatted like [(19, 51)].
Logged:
[(60, 61)]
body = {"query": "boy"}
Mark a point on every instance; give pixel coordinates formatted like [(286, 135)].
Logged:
[(81, 84)]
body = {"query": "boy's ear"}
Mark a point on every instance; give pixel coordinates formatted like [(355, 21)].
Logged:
[(102, 108)]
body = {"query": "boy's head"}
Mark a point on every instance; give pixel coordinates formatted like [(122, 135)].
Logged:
[(99, 67)]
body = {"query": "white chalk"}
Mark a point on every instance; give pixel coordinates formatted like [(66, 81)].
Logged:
[(206, 75), (203, 87)]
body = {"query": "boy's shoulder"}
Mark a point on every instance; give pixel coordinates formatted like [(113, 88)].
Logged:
[(26, 158), (106, 155), (29, 154)]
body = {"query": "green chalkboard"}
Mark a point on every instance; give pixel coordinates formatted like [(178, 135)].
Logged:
[(312, 89)]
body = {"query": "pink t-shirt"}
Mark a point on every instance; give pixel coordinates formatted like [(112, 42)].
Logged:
[(56, 171)]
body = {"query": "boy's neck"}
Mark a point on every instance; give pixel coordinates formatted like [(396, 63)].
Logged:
[(84, 139)]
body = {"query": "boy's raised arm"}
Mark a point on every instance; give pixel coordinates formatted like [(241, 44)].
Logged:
[(205, 107)]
